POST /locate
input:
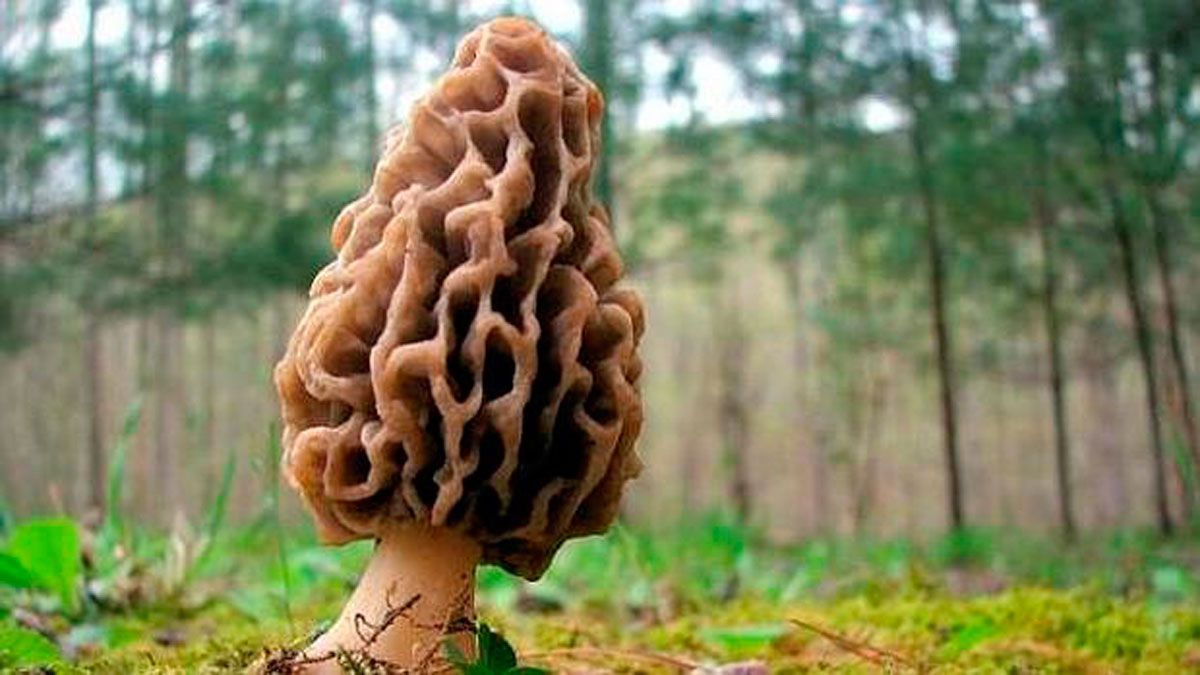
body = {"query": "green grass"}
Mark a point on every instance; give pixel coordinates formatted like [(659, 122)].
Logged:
[(704, 592)]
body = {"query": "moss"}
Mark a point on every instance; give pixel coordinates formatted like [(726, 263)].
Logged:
[(1024, 629)]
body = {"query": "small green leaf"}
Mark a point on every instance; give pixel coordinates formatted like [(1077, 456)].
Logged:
[(495, 654), (745, 638), (13, 573), (967, 637), (49, 550), (23, 648)]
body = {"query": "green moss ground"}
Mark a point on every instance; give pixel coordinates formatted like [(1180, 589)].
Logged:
[(1020, 630)]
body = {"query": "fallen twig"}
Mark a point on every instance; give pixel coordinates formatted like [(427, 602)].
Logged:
[(878, 656), (586, 653)]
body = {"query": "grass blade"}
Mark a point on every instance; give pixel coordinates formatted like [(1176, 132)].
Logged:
[(114, 521), (216, 513)]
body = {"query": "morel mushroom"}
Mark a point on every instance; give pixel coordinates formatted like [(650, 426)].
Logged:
[(463, 387)]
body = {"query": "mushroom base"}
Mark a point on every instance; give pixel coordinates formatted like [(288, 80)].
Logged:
[(417, 591)]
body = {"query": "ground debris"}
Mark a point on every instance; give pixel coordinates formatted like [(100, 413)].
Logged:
[(877, 656), (560, 659), (170, 637), (1028, 630), (739, 668)]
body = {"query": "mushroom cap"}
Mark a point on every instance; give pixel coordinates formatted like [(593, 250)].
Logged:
[(468, 360)]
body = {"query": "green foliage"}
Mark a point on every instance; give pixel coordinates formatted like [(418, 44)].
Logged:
[(46, 554), (967, 637), (707, 588), (966, 546), (746, 639), (23, 648), (215, 518), (114, 521), (495, 656), (13, 573)]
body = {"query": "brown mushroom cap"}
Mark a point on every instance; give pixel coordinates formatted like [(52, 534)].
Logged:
[(467, 360)]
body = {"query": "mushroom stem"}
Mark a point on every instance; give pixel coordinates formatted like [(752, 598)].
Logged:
[(415, 593)]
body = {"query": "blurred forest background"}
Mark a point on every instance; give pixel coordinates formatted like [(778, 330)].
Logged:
[(909, 264)]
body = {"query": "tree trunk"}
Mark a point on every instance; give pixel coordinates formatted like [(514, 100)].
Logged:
[(1044, 218), (93, 374), (1105, 470), (173, 214), (867, 481), (806, 448), (598, 64), (733, 416), (168, 421), (1165, 168), (208, 387), (140, 471), (93, 386), (937, 288), (1141, 328), (1162, 254), (371, 100), (692, 400), (1102, 112), (280, 173)]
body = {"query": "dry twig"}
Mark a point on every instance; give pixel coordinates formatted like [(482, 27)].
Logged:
[(877, 656), (591, 653)]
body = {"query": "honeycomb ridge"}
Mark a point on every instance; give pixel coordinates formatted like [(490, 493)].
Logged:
[(468, 360)]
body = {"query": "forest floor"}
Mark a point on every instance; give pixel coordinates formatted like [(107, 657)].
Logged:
[(1023, 630), (701, 597)]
